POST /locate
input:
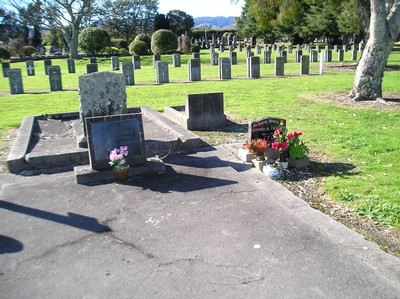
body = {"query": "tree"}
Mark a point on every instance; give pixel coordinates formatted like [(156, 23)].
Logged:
[(67, 15), (160, 22), (384, 29), (246, 24), (9, 27), (94, 40), (180, 22)]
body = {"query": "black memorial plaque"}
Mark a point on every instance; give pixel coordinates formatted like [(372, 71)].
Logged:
[(105, 133), (264, 128)]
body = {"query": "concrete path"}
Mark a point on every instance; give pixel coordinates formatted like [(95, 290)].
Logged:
[(211, 227)]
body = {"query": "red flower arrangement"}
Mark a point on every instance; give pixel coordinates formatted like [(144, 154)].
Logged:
[(257, 147)]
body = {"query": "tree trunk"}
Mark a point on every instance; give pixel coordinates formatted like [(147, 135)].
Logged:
[(74, 43), (383, 33)]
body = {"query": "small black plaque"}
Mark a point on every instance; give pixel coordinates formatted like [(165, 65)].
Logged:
[(264, 128), (105, 133)]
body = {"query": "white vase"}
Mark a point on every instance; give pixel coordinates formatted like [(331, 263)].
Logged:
[(273, 172)]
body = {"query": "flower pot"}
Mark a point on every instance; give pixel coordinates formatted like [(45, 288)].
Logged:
[(121, 175), (299, 163), (273, 172), (285, 165), (258, 163)]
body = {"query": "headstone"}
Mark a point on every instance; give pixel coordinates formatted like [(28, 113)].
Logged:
[(284, 55), (55, 78), (305, 65), (108, 132), (279, 66), (221, 48), (92, 68), (230, 48), (156, 57), (264, 128), (30, 68), (328, 56), (234, 41), (129, 75), (298, 55), (354, 55), (224, 69), (249, 54), (340, 55), (298, 47), (353, 47), (214, 58), (258, 49), (326, 47), (176, 60), (290, 49), (280, 48), (360, 47), (196, 55), (344, 47), (114, 63), (194, 70), (318, 49), (239, 47), (92, 60), (136, 61), (5, 67), (71, 65), (335, 48), (267, 57), (101, 94), (162, 72), (47, 63), (233, 58), (274, 47), (314, 56), (321, 63), (15, 80), (253, 67)]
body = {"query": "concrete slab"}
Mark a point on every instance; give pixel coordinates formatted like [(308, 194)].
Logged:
[(211, 227)]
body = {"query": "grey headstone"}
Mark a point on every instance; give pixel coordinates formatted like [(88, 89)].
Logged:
[(354, 55), (328, 55), (101, 94), (47, 63), (284, 55), (298, 55), (196, 55), (253, 67), (360, 47), (290, 49), (340, 55), (108, 132), (274, 47), (92, 60), (5, 67), (156, 57), (136, 61), (298, 47), (267, 57), (305, 65), (214, 58), (55, 78), (162, 72), (314, 56), (249, 54), (224, 69), (15, 80), (321, 63), (234, 41), (327, 47), (221, 48), (335, 48), (280, 48), (114, 63), (176, 60), (233, 58), (127, 70), (353, 47), (344, 48), (230, 48), (30, 68), (258, 49), (239, 47), (279, 66), (71, 65), (318, 49), (194, 70), (92, 68)]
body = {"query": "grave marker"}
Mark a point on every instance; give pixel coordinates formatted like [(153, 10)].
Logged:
[(279, 66), (108, 132), (298, 55), (127, 70), (92, 68), (47, 64), (176, 60), (214, 58), (92, 60), (162, 72), (196, 55), (136, 61), (15, 81), (55, 78), (354, 55), (30, 68), (156, 57), (194, 70), (253, 67), (239, 47), (264, 128), (224, 69), (5, 67), (267, 57), (305, 65), (314, 56), (233, 58), (284, 55), (71, 65), (114, 63), (328, 56), (258, 49), (221, 48), (321, 63), (340, 55), (318, 49)]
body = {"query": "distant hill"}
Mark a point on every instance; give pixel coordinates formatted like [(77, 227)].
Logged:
[(215, 22)]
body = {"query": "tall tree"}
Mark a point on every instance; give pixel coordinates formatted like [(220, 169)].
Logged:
[(384, 29), (180, 22), (246, 24), (160, 22)]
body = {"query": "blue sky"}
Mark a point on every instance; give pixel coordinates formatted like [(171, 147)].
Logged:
[(203, 8)]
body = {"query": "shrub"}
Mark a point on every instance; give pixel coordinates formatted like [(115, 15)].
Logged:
[(144, 38), (4, 53), (119, 43), (230, 36), (195, 48), (138, 48), (164, 41), (184, 44), (29, 50), (94, 40)]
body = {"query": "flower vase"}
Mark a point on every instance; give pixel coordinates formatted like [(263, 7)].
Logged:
[(274, 172), (121, 175), (259, 163)]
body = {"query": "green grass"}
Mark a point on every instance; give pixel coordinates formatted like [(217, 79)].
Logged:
[(363, 143)]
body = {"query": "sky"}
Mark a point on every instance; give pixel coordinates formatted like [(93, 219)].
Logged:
[(203, 8)]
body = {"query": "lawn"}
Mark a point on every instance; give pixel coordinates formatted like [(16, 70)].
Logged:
[(364, 140)]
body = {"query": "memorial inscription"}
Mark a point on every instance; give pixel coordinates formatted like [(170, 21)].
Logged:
[(264, 128)]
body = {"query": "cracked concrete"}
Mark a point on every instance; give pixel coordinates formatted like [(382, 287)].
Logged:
[(211, 227)]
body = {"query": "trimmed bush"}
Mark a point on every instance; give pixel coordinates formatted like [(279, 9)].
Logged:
[(138, 48), (144, 38), (29, 50), (4, 53), (94, 40), (119, 43), (164, 41)]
